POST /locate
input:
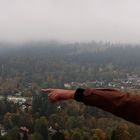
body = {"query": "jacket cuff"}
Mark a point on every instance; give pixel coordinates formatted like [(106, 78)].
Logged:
[(79, 94)]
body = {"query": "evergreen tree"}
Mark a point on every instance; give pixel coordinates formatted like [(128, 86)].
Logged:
[(41, 127)]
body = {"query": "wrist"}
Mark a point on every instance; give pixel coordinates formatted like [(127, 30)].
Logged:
[(71, 94)]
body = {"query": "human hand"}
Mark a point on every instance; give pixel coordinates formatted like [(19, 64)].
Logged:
[(56, 95)]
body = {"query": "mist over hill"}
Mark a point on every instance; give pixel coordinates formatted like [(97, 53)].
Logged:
[(68, 62), (93, 52)]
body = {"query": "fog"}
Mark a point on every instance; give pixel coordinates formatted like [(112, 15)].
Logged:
[(70, 20)]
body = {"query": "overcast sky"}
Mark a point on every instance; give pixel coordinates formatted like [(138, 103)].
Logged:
[(70, 20)]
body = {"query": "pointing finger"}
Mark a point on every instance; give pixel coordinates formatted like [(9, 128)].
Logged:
[(47, 90)]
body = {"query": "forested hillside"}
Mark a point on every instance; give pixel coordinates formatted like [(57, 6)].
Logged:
[(67, 62), (26, 68)]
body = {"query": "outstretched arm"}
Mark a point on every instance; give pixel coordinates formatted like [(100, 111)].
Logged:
[(121, 104)]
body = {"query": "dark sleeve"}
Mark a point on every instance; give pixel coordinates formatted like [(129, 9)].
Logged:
[(121, 104)]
